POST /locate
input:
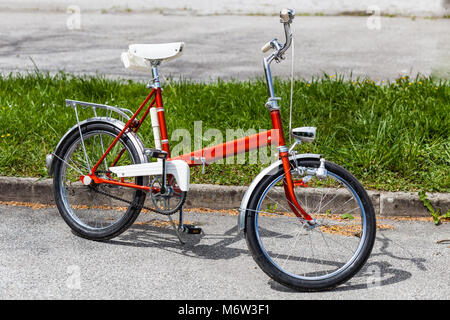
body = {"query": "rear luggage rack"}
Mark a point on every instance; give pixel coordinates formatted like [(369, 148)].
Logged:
[(125, 113)]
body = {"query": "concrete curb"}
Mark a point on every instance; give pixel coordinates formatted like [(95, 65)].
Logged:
[(229, 197)]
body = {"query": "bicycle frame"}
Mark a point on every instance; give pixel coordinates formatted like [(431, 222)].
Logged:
[(220, 151), (213, 153), (205, 155)]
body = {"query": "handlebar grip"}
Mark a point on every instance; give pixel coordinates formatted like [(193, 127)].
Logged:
[(266, 47)]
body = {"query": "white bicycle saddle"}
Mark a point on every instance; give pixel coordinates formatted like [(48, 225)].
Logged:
[(138, 56)]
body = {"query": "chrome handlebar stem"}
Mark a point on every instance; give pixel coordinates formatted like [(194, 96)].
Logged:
[(280, 49), (287, 44)]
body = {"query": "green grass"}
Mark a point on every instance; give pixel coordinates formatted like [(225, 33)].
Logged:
[(390, 135)]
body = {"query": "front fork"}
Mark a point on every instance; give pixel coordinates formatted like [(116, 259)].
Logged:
[(288, 184)]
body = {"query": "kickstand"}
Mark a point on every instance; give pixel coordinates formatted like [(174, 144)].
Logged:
[(176, 230)]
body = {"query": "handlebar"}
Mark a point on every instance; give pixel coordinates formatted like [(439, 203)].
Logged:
[(286, 17)]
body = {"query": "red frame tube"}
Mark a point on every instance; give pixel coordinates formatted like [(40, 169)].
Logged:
[(230, 148), (127, 125), (162, 122), (288, 181), (214, 153)]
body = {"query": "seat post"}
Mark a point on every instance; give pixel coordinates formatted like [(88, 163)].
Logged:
[(159, 106), (155, 73)]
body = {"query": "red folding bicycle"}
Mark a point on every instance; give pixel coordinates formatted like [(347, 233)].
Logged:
[(308, 223)]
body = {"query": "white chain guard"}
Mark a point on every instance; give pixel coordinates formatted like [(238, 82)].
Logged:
[(178, 168)]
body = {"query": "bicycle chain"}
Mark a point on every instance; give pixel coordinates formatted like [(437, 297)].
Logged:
[(163, 212)]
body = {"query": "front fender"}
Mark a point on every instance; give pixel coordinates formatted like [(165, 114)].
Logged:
[(272, 169), (116, 123)]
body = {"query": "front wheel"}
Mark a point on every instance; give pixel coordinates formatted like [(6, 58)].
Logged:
[(303, 257)]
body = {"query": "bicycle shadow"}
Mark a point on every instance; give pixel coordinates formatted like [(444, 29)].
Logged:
[(376, 273), (148, 236)]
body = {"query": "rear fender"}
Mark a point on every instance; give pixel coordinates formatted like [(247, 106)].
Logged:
[(50, 159)]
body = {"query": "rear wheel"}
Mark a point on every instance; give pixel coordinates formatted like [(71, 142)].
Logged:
[(318, 257), (95, 211)]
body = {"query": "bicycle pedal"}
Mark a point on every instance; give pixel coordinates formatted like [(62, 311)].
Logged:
[(191, 229)]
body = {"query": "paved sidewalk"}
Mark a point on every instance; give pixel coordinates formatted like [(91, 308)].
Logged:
[(41, 259)]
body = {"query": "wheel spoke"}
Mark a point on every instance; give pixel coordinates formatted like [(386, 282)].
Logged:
[(94, 207), (309, 253)]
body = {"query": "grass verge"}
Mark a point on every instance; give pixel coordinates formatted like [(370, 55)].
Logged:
[(390, 135)]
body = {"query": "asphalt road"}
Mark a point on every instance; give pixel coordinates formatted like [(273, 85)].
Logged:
[(41, 259), (214, 7), (224, 46)]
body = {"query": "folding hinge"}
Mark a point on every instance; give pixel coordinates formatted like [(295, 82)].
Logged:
[(272, 104), (202, 160)]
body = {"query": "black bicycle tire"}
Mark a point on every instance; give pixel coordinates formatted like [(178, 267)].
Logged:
[(300, 284), (138, 199)]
